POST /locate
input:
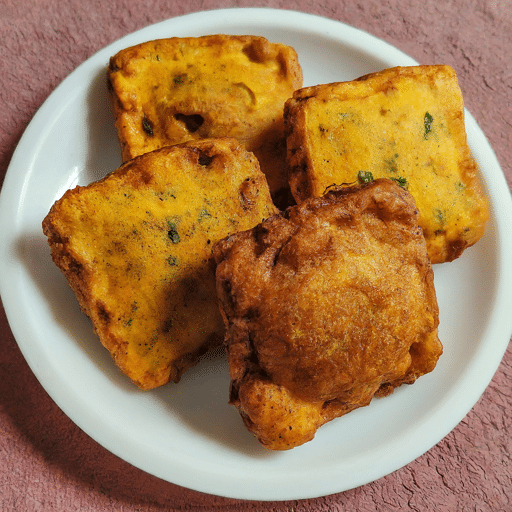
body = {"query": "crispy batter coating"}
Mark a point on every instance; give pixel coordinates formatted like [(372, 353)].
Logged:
[(339, 306), (136, 247), (404, 122), (172, 90)]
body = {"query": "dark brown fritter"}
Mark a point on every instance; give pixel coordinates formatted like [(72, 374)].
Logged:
[(326, 306)]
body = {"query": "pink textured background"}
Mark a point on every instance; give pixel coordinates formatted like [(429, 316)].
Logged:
[(47, 463)]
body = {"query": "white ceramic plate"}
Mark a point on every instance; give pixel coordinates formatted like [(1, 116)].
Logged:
[(187, 433)]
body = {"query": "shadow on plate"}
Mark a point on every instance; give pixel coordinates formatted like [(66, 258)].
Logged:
[(200, 399), (103, 151), (33, 251)]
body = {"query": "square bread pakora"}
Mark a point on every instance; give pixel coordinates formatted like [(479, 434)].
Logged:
[(172, 90), (339, 306), (405, 123), (136, 248)]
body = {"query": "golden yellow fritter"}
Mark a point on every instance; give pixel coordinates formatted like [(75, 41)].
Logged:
[(405, 123), (136, 247), (172, 90), (326, 306)]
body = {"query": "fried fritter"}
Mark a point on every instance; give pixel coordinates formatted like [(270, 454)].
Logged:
[(339, 306), (172, 90), (403, 123), (136, 247)]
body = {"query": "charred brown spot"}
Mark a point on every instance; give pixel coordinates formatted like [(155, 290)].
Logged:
[(259, 234), (255, 51), (144, 177), (246, 192), (113, 66), (204, 159), (228, 298), (110, 87), (278, 252), (283, 198), (385, 389), (456, 248), (252, 313), (192, 122), (167, 325), (233, 394), (103, 313), (328, 403)]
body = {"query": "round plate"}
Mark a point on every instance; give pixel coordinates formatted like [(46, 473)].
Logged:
[(187, 433)]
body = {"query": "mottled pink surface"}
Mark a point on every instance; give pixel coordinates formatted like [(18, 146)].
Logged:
[(46, 462)]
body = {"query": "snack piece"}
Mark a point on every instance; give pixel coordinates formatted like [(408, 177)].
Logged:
[(405, 123), (172, 90), (136, 249), (339, 306)]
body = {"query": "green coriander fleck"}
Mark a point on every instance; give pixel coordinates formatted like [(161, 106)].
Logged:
[(427, 123), (365, 176)]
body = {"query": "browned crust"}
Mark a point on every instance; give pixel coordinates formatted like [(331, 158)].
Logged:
[(283, 391)]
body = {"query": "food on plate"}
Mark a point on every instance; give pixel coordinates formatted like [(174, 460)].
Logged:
[(136, 248), (326, 306), (405, 123), (172, 90)]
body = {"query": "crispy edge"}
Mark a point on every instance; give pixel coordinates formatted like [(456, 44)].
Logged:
[(279, 419), (259, 48)]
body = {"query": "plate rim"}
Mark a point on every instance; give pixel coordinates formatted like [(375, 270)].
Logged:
[(8, 204)]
